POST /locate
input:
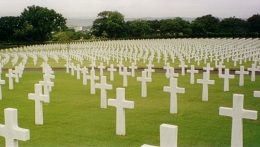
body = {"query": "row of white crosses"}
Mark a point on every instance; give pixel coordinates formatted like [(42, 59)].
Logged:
[(38, 96)]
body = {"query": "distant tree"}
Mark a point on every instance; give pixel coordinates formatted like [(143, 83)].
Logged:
[(8, 25), (205, 25), (155, 27), (254, 24), (176, 27), (139, 28), (42, 23), (110, 24), (234, 26)]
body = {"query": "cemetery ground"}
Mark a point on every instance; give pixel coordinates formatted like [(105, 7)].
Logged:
[(74, 117)]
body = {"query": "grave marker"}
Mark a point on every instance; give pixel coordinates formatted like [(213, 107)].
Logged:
[(205, 81), (92, 77), (84, 72), (39, 98), (101, 69), (111, 70), (133, 68), (253, 69), (241, 73), (2, 82), (226, 76), (237, 113), (103, 86), (183, 66), (125, 73), (10, 75), (173, 89), (192, 71), (121, 104), (11, 131), (144, 79), (168, 136)]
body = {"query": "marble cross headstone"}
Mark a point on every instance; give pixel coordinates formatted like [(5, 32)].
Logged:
[(78, 69), (167, 67), (101, 68), (133, 68), (173, 89), (103, 86), (183, 66), (257, 94), (16, 72), (237, 113), (111, 69), (149, 69), (208, 69), (125, 73), (11, 131), (121, 104), (10, 75), (92, 77), (192, 71), (205, 81), (144, 79), (226, 76), (241, 73), (39, 98), (171, 73), (84, 72), (168, 136), (253, 69), (46, 84), (220, 67)]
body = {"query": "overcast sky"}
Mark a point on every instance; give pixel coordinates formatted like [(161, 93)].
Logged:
[(139, 8)]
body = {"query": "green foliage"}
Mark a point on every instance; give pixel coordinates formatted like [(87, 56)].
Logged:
[(110, 24), (8, 26), (42, 22), (234, 26), (254, 24), (138, 28)]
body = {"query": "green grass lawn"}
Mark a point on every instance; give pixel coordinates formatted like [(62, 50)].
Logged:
[(74, 117)]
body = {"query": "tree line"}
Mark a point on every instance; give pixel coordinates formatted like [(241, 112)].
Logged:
[(111, 24), (39, 24)]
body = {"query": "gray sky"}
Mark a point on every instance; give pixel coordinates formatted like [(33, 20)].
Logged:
[(139, 8)]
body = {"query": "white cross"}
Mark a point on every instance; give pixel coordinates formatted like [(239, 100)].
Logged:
[(48, 78), (10, 75), (133, 68), (121, 104), (67, 65), (208, 69), (226, 77), (2, 82), (149, 69), (78, 69), (103, 86), (16, 72), (237, 113), (182, 65), (39, 98), (101, 69), (11, 131), (125, 74), (253, 69), (120, 65), (257, 94), (171, 74), (46, 83), (92, 77), (220, 66), (192, 71), (84, 72), (173, 89), (168, 136), (144, 79), (205, 81), (112, 70), (167, 67), (241, 73)]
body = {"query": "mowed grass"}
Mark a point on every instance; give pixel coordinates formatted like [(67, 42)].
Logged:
[(74, 117)]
